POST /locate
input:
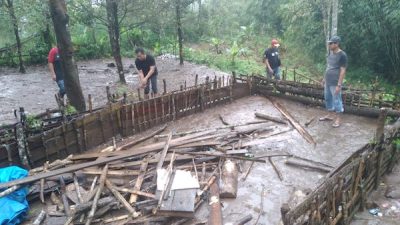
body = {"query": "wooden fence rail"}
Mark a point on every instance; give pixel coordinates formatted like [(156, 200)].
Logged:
[(88, 130)]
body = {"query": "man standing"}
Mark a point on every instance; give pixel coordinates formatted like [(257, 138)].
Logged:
[(56, 70), (334, 76), (272, 60), (146, 65)]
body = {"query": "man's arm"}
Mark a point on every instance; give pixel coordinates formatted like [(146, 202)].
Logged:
[(341, 75), (151, 72), (52, 72), (266, 61)]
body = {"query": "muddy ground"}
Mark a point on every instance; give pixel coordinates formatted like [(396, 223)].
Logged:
[(35, 90), (385, 201), (333, 146)]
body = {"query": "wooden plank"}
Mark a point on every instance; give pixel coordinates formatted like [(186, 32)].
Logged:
[(303, 132), (119, 155), (139, 181)]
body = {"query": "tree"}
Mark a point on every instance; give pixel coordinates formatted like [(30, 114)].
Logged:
[(114, 34), (179, 29), (58, 11), (14, 21)]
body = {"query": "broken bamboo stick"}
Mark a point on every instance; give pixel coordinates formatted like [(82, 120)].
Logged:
[(139, 181), (121, 199), (270, 118), (97, 196)]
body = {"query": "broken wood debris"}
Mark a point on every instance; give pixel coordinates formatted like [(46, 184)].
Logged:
[(125, 177)]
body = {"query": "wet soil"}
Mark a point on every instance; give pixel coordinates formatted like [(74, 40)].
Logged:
[(386, 199), (333, 146), (35, 90)]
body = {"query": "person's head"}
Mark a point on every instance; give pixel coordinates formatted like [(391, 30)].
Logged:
[(140, 54), (334, 42), (275, 43)]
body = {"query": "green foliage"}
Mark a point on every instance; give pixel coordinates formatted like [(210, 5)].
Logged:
[(33, 123), (238, 32), (223, 62), (70, 110)]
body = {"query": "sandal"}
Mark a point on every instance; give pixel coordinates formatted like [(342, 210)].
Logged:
[(336, 124)]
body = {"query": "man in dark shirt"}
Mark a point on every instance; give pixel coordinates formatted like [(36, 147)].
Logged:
[(272, 60), (333, 80), (56, 70), (146, 65)]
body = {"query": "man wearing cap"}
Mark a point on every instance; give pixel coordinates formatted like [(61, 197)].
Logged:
[(272, 60), (333, 81)]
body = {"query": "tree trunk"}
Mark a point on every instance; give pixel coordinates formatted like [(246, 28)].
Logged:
[(58, 10), (179, 28), (335, 9), (199, 18), (14, 22), (113, 33)]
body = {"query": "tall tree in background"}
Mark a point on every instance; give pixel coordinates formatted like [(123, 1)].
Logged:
[(178, 12), (14, 21), (58, 11), (114, 34), (335, 9)]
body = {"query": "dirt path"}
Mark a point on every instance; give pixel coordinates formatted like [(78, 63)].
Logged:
[(35, 90)]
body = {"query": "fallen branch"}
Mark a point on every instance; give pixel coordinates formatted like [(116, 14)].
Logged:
[(271, 118), (277, 171), (305, 166)]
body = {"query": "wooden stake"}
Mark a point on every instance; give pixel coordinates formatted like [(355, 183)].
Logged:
[(121, 199), (97, 196), (165, 86), (90, 102), (42, 182), (39, 219), (139, 180), (215, 216), (304, 133), (9, 191), (139, 97)]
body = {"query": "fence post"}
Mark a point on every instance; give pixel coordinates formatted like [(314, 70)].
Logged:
[(379, 136), (284, 210)]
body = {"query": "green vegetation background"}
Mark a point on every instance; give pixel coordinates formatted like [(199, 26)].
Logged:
[(230, 35)]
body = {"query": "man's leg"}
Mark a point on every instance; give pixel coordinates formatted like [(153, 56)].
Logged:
[(277, 73), (154, 87), (61, 86), (338, 106), (328, 103)]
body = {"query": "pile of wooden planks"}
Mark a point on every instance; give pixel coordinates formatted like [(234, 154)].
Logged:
[(158, 178)]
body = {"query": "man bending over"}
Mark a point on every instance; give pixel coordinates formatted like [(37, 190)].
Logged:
[(146, 66)]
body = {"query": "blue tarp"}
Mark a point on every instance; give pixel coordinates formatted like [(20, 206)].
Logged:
[(13, 207)]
